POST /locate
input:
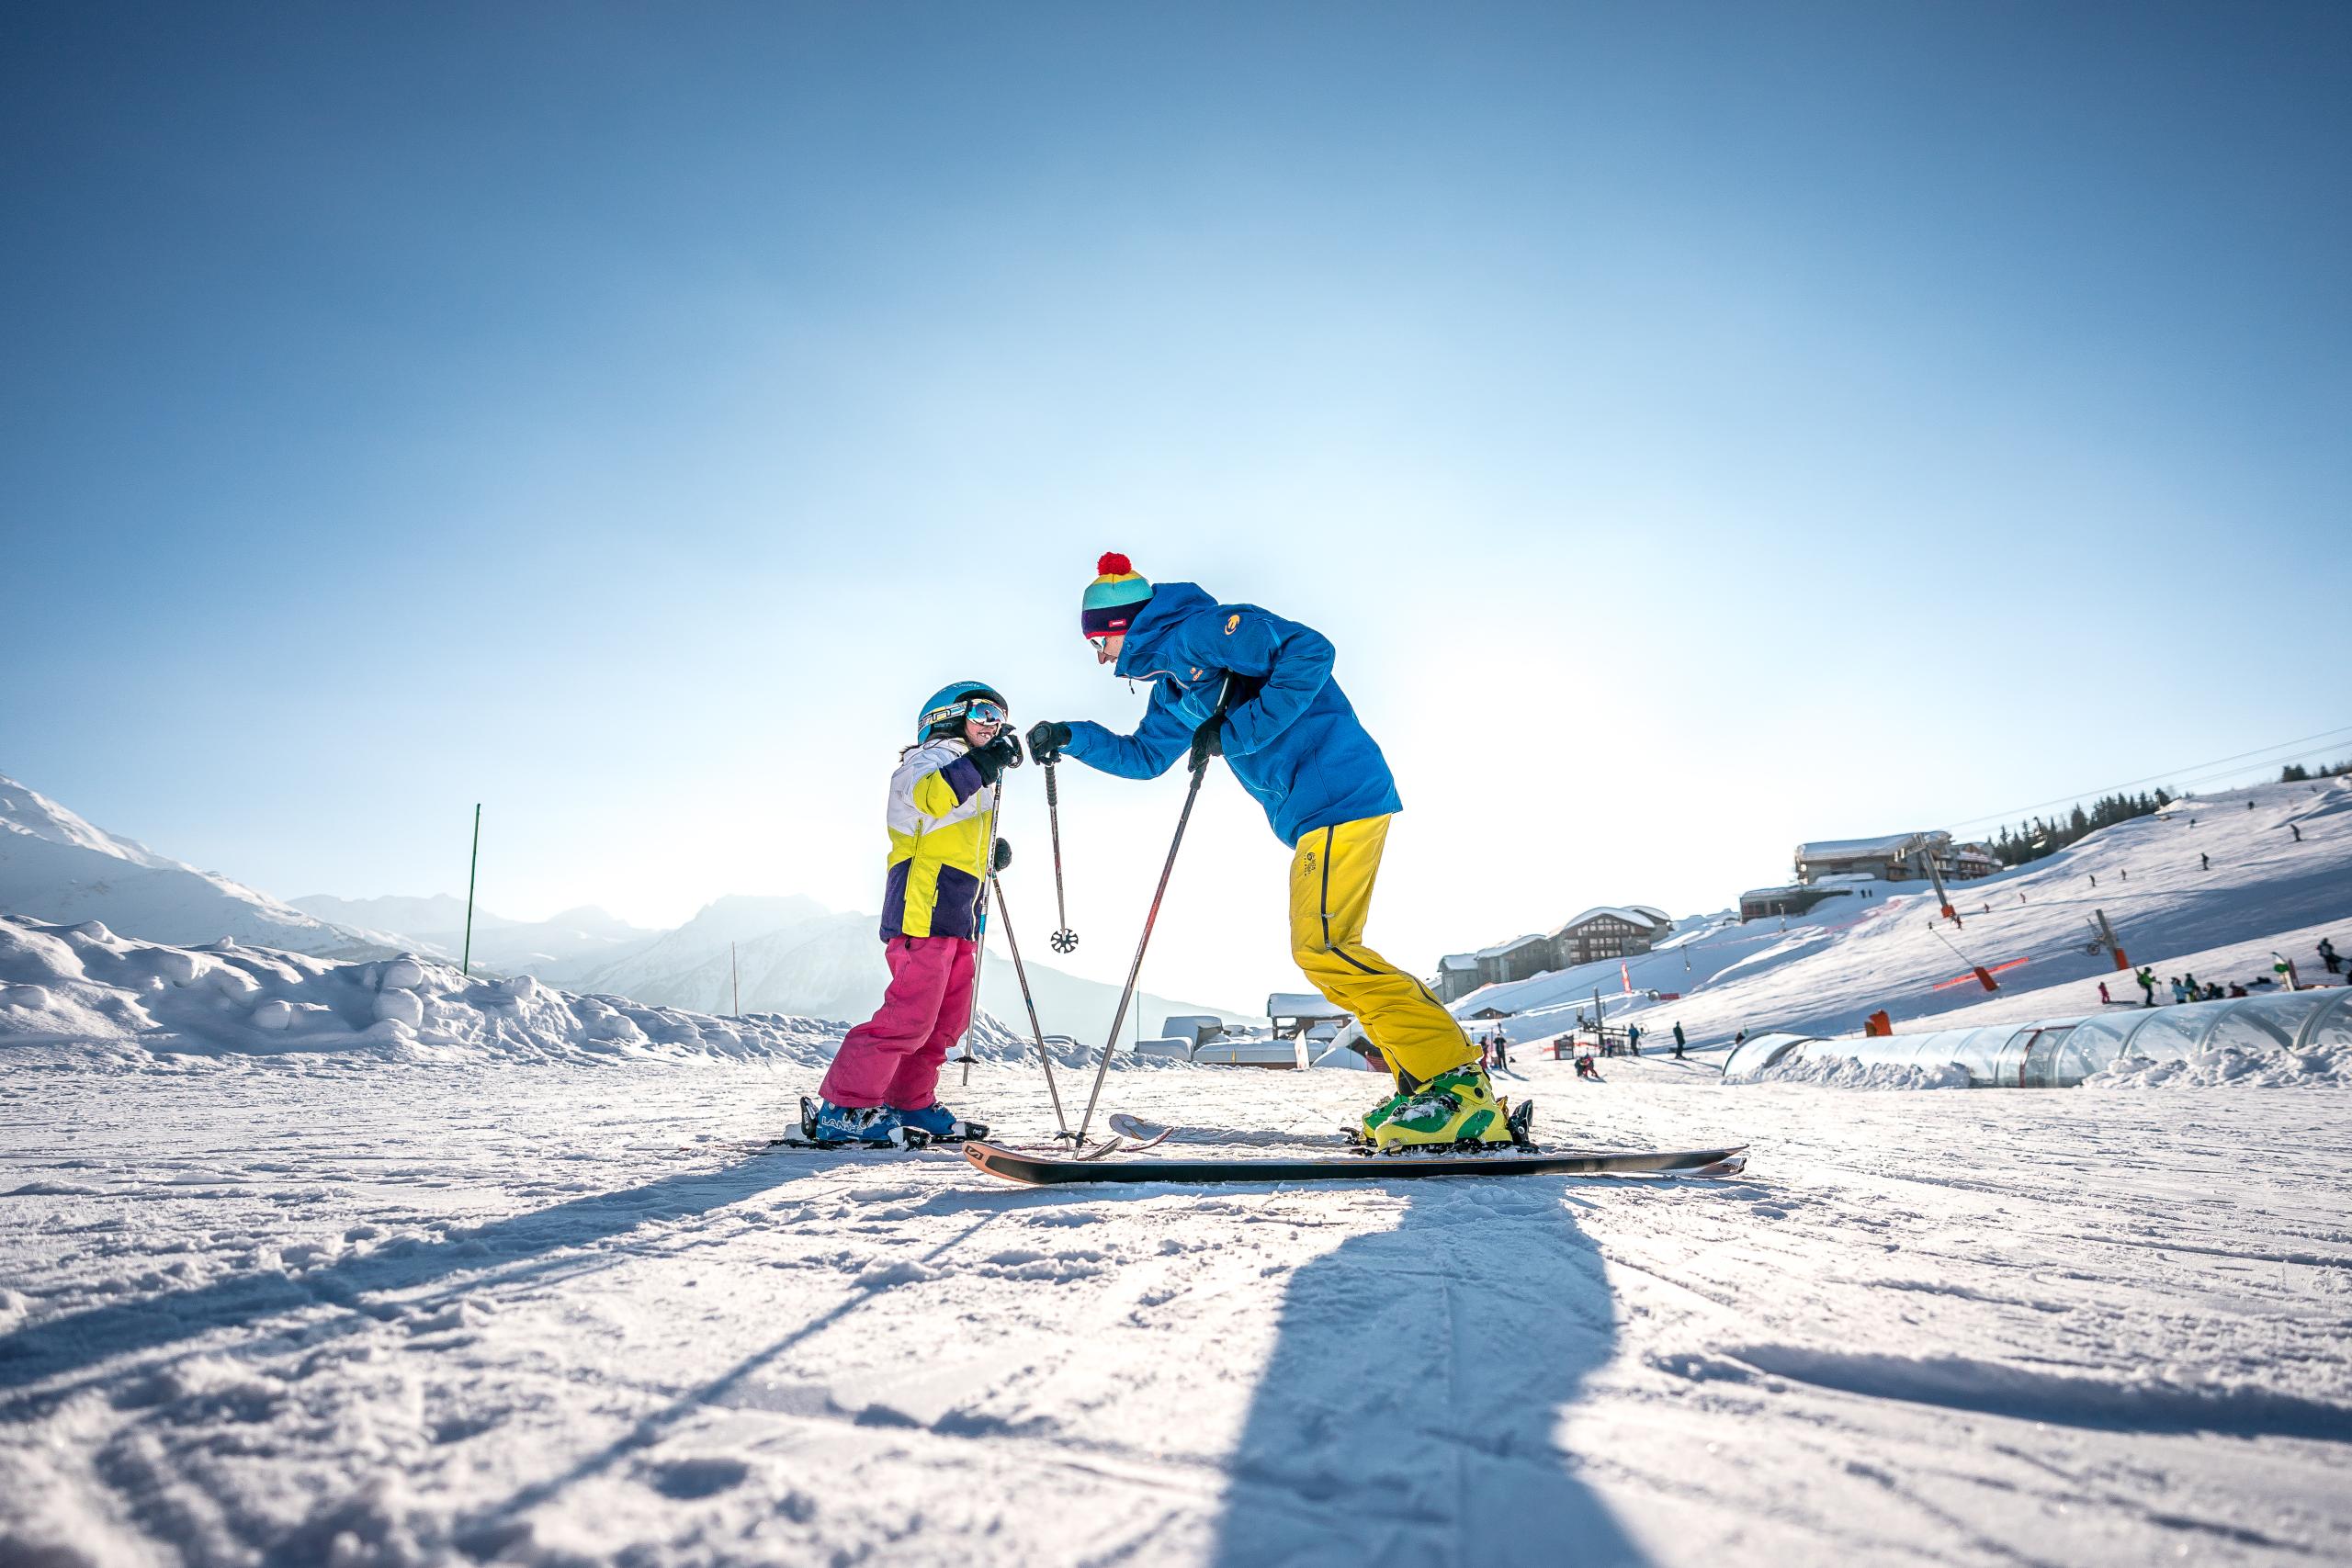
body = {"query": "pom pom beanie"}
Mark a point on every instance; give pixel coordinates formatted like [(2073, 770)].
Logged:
[(1114, 597)]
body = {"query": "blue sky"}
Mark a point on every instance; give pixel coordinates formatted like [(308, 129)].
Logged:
[(1700, 427)]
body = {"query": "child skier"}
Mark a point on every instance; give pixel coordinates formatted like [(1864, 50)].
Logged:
[(883, 1085)]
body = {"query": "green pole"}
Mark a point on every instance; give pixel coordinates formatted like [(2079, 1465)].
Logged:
[(466, 963)]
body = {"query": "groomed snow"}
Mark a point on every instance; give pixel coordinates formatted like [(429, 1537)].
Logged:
[(360, 1306)]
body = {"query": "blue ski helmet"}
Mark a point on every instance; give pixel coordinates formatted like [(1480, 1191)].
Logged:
[(948, 704)]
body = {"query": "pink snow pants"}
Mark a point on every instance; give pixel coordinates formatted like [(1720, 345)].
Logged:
[(893, 1058)]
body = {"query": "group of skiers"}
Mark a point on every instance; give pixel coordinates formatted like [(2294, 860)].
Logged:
[(2186, 987), (1227, 680)]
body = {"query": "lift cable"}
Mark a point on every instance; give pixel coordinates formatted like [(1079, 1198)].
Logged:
[(2169, 773)]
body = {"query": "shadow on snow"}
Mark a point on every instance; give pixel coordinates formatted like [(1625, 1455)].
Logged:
[(501, 1252), (1408, 1412)]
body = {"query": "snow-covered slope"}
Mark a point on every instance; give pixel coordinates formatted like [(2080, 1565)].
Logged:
[(56, 866), (1885, 945)]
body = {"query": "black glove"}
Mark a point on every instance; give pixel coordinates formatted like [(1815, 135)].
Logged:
[(1208, 741), (1003, 856), (992, 759), (1047, 739)]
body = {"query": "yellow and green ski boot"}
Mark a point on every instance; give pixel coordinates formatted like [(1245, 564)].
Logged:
[(1457, 1109)]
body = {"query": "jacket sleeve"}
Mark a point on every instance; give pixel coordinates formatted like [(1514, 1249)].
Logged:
[(931, 791), (1159, 740), (1295, 662)]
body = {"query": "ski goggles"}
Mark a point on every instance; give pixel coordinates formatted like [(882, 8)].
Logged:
[(973, 710)]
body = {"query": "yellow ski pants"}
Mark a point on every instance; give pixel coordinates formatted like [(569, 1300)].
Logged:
[(1332, 873)]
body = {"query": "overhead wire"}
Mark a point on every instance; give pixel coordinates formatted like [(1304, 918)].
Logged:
[(2169, 774)]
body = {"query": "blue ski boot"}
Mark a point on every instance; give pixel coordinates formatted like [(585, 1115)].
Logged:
[(941, 1125), (877, 1126)]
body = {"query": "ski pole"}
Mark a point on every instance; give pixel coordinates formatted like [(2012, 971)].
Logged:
[(1036, 1030), (1064, 939), (1191, 793), (980, 910)]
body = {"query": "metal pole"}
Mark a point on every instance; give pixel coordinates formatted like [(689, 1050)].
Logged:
[(1036, 1030), (1064, 939), (466, 963), (980, 913), (1103, 1069), (735, 980)]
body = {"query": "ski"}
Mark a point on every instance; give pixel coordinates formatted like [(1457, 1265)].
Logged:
[(1093, 1151), (1047, 1170)]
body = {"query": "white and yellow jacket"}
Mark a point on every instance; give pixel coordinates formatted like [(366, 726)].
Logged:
[(942, 814)]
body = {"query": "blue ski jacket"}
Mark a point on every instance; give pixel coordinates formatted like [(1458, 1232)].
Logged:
[(1296, 744)]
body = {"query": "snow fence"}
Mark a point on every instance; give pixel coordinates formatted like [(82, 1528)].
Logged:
[(2286, 1037)]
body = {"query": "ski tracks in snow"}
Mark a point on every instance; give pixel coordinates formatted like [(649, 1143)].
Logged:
[(487, 1315)]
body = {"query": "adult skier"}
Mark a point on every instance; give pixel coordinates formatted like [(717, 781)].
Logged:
[(885, 1078), (1239, 681)]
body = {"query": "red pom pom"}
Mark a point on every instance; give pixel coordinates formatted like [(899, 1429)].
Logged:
[(1114, 564)]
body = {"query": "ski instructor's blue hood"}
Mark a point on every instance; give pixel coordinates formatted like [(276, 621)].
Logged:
[(1295, 744)]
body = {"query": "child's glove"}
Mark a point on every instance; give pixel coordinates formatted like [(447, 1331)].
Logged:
[(1003, 856), (992, 759), (1047, 739)]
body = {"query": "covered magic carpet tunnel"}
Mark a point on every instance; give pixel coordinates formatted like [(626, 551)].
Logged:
[(2060, 1052)]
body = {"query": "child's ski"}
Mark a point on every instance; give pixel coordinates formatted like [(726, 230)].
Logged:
[(1048, 1170)]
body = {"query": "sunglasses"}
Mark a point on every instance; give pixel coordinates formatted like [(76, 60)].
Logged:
[(981, 712)]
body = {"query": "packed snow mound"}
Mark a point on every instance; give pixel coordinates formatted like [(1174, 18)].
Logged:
[(2318, 1065), (1844, 1072), (56, 866), (83, 986)]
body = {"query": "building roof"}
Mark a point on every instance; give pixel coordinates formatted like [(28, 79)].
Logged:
[(1633, 915), (1458, 961), (1885, 844), (1302, 1004), (1511, 946)]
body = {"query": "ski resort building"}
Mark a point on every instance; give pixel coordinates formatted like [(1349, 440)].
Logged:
[(1457, 977), (1892, 858), (1612, 931), (1608, 932), (1793, 898), (2060, 1052), (1521, 958)]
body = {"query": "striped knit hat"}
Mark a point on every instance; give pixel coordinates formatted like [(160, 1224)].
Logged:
[(1114, 598)]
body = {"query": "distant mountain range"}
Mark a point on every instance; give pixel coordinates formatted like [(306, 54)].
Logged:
[(435, 927), (790, 955), (55, 866)]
